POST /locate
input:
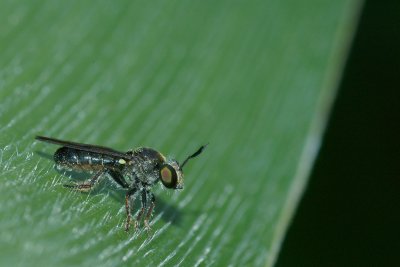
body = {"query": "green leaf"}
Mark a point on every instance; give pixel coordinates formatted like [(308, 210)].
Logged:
[(255, 79)]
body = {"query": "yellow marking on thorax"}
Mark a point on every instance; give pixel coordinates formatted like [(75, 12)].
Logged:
[(121, 161)]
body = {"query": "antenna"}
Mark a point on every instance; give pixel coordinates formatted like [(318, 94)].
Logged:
[(195, 154)]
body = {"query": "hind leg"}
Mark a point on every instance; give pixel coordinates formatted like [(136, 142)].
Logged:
[(86, 186)]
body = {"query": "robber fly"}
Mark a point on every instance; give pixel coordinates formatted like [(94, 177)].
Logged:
[(136, 171)]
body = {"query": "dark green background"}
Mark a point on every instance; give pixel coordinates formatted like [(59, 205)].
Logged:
[(349, 215)]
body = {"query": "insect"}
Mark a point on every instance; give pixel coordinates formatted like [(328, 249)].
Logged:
[(137, 171)]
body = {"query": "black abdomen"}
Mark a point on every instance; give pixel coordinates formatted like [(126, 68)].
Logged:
[(79, 160)]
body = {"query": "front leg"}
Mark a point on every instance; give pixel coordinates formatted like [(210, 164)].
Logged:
[(150, 210)]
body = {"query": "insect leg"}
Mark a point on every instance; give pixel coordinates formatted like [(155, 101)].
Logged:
[(150, 210), (128, 207), (143, 208), (86, 186), (118, 178)]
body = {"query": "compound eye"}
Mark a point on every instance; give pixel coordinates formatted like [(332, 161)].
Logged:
[(168, 176)]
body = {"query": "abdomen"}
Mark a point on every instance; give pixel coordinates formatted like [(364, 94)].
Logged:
[(78, 160)]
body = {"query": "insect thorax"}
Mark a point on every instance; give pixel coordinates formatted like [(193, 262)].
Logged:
[(144, 165)]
